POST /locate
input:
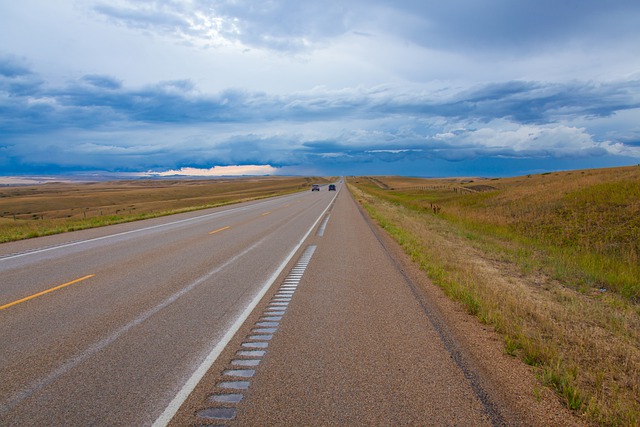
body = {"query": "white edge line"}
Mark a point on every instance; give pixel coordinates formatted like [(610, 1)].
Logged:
[(171, 410), (230, 210)]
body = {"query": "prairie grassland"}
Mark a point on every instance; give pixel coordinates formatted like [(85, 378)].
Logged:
[(31, 211), (551, 261)]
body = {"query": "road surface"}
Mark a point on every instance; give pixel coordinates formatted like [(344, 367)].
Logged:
[(105, 326), (291, 311)]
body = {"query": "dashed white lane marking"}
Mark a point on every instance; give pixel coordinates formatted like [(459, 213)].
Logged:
[(253, 349), (323, 226)]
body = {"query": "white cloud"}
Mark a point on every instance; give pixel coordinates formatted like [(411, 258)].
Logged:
[(219, 171), (512, 140)]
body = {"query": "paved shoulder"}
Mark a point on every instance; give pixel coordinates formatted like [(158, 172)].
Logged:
[(356, 347)]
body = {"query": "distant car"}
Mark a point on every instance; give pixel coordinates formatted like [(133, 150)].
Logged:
[(315, 187), (332, 187)]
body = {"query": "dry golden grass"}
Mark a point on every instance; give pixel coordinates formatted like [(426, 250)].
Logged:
[(589, 220), (30, 211), (484, 250)]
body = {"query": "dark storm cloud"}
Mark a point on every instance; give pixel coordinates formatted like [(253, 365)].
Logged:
[(505, 24), (16, 78), (103, 82), (94, 100), (534, 102), (147, 15), (12, 67), (461, 25)]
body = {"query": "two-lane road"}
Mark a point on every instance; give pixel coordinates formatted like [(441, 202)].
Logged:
[(105, 327)]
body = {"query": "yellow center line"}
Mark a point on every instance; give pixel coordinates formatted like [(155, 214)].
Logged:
[(220, 229), (55, 288), (266, 213)]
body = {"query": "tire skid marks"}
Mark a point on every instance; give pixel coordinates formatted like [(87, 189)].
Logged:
[(228, 393)]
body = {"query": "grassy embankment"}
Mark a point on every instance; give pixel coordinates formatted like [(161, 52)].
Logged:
[(39, 210), (551, 261)]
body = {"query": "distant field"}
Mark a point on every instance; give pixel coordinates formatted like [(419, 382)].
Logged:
[(37, 210), (551, 261)]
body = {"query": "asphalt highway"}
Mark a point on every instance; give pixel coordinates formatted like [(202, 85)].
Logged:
[(111, 326), (290, 311)]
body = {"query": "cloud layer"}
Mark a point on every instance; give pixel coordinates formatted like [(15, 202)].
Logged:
[(339, 87)]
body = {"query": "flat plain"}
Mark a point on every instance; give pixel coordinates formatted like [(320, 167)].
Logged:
[(38, 210)]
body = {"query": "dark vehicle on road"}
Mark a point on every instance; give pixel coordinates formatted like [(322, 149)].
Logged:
[(315, 187), (332, 187)]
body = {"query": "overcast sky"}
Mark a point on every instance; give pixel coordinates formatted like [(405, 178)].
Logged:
[(350, 87)]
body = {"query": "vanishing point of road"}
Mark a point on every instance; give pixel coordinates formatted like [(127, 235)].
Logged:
[(285, 311)]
